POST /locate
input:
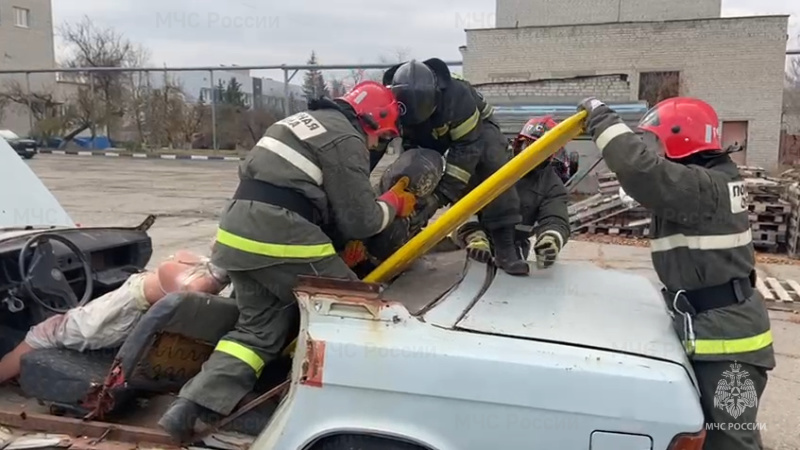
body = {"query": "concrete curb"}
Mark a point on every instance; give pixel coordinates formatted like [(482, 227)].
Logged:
[(140, 155)]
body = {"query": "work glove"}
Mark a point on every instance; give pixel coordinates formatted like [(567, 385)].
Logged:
[(590, 104), (478, 247), (547, 247), (401, 200), (354, 252), (627, 200), (595, 112)]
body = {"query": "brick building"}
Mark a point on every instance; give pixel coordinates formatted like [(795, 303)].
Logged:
[(631, 50)]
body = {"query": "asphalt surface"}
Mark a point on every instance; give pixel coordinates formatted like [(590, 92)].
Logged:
[(188, 195)]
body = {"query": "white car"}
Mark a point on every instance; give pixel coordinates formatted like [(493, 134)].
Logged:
[(452, 355)]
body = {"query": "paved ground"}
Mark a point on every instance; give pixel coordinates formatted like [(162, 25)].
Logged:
[(187, 195)]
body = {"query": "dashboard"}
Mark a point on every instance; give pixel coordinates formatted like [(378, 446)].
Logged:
[(113, 253)]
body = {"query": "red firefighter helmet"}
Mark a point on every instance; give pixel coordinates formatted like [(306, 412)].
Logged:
[(684, 126), (535, 128), (376, 107)]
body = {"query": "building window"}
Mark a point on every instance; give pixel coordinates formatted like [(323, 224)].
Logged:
[(657, 86), (22, 17)]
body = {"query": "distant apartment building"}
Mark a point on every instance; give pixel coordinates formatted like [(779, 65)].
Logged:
[(26, 42), (264, 93)]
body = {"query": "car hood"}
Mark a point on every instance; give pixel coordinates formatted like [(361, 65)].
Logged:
[(576, 304)]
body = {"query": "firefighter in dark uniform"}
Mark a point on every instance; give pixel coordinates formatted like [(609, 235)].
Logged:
[(702, 251), (543, 204), (446, 114), (306, 180)]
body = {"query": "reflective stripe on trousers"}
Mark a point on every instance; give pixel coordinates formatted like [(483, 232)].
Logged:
[(733, 346), (274, 250), (241, 353)]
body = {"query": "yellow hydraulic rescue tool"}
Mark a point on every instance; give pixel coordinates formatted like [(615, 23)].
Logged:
[(479, 197), (476, 199)]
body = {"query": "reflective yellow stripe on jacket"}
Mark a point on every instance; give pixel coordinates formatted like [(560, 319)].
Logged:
[(241, 353), (466, 126), (733, 346), (274, 250)]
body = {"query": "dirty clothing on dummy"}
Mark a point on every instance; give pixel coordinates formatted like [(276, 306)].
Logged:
[(462, 129), (702, 249), (108, 320), (306, 180), (543, 204)]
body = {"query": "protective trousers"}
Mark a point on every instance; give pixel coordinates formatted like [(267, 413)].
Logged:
[(268, 320), (504, 211), (729, 410)]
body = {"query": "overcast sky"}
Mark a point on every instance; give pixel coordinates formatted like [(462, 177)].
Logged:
[(254, 32)]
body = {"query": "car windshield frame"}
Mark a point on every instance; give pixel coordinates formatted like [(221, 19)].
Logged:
[(31, 205), (9, 135)]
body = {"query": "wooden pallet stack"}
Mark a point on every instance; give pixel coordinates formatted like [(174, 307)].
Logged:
[(779, 291), (774, 214), (605, 212), (607, 183), (769, 213), (792, 196)]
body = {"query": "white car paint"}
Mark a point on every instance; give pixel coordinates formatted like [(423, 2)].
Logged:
[(588, 362)]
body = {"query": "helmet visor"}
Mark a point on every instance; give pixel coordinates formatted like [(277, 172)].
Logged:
[(650, 119)]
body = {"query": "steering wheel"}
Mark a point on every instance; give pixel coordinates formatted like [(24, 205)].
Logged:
[(43, 274)]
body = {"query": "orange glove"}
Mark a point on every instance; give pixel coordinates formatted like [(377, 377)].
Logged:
[(354, 252), (401, 200)]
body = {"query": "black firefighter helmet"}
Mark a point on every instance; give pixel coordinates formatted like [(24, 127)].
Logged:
[(414, 85)]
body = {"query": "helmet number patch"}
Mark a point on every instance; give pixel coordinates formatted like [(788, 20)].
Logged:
[(360, 97), (303, 125), (738, 197)]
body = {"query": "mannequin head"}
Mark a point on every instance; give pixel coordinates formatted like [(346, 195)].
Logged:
[(184, 272)]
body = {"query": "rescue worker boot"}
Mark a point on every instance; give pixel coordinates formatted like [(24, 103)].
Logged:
[(506, 254), (179, 419)]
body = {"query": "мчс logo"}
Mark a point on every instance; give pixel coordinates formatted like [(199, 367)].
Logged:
[(735, 392)]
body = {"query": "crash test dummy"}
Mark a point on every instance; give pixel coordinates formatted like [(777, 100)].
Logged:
[(543, 205), (306, 181), (106, 321), (702, 251), (445, 113)]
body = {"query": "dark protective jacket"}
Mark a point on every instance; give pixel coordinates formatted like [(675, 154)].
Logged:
[(321, 156), (543, 204), (455, 129), (701, 241)]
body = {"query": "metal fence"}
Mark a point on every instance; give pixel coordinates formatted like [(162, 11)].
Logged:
[(207, 85), (280, 97)]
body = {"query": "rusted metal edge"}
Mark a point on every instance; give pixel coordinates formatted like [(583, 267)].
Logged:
[(78, 428), (320, 285)]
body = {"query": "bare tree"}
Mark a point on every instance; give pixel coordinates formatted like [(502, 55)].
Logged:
[(90, 46), (46, 110), (793, 73), (397, 56), (3, 106), (337, 86)]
